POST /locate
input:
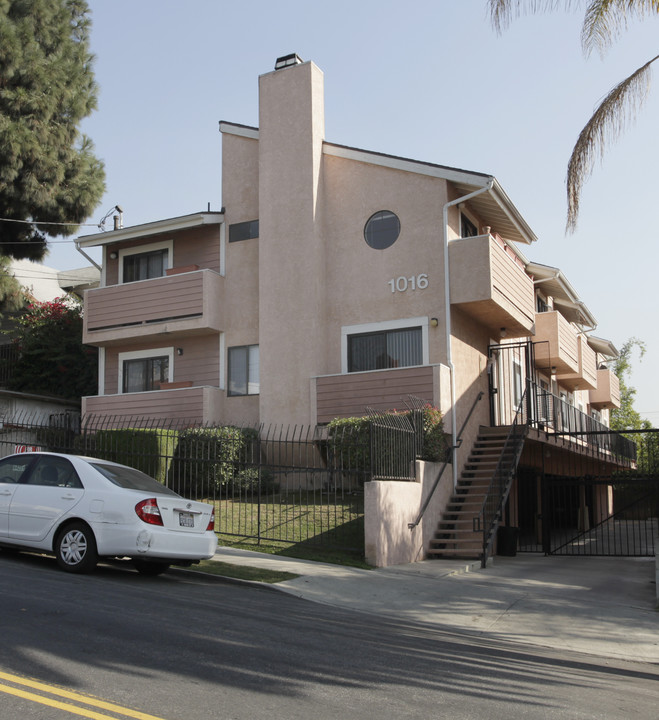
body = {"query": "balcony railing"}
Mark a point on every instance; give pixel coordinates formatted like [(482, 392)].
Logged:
[(488, 283), (546, 412), (187, 302), (607, 394), (556, 344)]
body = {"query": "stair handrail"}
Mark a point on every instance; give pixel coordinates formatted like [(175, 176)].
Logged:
[(485, 522), (458, 443)]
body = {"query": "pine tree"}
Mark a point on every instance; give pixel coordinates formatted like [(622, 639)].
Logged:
[(48, 172), (11, 292)]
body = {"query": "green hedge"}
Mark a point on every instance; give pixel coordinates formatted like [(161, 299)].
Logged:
[(210, 460), (149, 450), (349, 439)]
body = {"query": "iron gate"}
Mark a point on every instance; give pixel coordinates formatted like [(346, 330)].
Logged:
[(593, 516)]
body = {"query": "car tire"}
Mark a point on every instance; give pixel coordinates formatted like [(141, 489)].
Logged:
[(75, 548), (148, 567)]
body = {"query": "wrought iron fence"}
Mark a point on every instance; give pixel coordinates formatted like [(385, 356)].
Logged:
[(8, 359), (271, 483), (282, 484)]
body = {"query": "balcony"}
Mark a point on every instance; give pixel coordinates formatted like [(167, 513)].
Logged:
[(192, 404), (185, 303), (607, 394), (586, 376), (489, 283), (556, 344), (349, 395)]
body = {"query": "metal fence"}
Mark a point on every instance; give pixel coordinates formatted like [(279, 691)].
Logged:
[(278, 484)]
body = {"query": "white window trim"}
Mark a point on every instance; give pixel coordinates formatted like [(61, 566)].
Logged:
[(140, 355), (151, 247), (223, 250), (385, 325), (223, 362)]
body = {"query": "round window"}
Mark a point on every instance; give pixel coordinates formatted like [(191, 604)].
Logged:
[(382, 230)]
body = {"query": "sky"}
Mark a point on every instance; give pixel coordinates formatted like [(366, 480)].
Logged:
[(429, 80)]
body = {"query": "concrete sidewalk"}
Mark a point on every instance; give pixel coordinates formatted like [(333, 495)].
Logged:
[(600, 606)]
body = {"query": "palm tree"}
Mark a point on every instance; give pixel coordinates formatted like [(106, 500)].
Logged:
[(603, 22)]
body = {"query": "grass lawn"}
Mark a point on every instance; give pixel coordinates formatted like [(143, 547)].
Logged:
[(306, 525), (242, 572)]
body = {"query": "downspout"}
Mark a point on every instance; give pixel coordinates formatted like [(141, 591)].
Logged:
[(447, 310)]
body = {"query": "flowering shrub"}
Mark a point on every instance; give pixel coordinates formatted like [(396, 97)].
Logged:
[(51, 357)]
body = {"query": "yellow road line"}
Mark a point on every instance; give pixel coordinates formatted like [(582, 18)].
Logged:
[(86, 699)]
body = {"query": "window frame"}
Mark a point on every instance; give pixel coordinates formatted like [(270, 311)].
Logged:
[(167, 245), (250, 226), (143, 355), (384, 326), (372, 239), (466, 223), (248, 381)]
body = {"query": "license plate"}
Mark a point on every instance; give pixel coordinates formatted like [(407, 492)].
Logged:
[(186, 519)]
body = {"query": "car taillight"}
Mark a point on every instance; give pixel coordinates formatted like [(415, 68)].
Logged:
[(149, 512), (211, 522)]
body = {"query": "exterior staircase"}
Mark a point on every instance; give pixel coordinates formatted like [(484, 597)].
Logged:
[(455, 535)]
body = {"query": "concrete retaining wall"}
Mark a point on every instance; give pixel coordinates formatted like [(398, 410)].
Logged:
[(389, 507)]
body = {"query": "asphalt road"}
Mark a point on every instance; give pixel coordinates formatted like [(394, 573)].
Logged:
[(187, 647)]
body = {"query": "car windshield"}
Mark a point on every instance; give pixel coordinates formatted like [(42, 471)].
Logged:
[(131, 479)]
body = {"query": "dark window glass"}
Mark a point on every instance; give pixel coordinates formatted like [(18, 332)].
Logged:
[(541, 305), (51, 471), (467, 228), (382, 230), (243, 231), (131, 479), (244, 370), (12, 468), (142, 266), (381, 350), (145, 374)]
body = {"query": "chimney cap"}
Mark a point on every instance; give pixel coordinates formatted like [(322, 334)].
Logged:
[(288, 60)]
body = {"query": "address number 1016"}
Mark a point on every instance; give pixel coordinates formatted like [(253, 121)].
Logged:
[(414, 282)]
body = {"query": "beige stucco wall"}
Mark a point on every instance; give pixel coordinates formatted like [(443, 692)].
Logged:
[(469, 349), (291, 263), (389, 506)]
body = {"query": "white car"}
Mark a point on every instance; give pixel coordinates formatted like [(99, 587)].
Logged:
[(82, 509)]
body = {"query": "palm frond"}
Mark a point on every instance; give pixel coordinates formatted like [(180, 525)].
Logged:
[(611, 117), (604, 20), (503, 12)]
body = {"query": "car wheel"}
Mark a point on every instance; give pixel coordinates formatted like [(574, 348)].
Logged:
[(75, 549), (147, 567)]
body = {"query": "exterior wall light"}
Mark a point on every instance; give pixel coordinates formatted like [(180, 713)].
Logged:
[(179, 351), (113, 256), (434, 322)]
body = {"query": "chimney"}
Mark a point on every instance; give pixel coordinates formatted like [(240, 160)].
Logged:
[(287, 60)]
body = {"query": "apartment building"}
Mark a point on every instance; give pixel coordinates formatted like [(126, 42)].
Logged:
[(336, 278)]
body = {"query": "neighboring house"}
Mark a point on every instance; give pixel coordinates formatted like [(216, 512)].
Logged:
[(44, 284), (337, 278)]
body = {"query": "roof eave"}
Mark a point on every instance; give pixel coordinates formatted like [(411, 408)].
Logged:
[(176, 224)]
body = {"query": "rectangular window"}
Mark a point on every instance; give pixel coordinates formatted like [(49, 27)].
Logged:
[(142, 266), (144, 374), (541, 305), (386, 349), (518, 387), (244, 370), (243, 231), (467, 228)]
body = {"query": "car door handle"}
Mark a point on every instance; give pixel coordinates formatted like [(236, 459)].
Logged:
[(5, 492), (69, 496)]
